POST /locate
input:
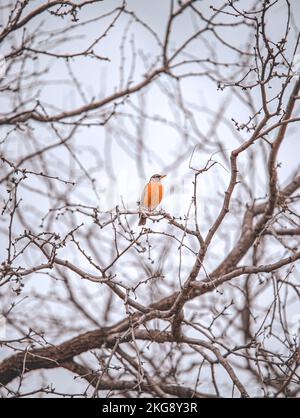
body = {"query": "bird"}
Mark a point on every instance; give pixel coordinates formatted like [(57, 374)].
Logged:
[(151, 196)]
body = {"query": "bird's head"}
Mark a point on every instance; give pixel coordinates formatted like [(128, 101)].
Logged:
[(157, 177)]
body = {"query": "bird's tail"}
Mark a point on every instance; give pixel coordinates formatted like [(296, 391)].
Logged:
[(143, 219)]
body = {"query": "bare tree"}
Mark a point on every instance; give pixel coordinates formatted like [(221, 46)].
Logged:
[(95, 97)]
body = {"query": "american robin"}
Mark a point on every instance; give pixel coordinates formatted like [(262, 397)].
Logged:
[(151, 196)]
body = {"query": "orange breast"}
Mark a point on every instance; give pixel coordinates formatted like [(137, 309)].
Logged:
[(153, 195)]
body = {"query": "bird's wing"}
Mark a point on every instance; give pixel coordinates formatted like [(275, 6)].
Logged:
[(142, 199)]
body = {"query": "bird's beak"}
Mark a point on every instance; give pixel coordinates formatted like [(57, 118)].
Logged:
[(163, 175)]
